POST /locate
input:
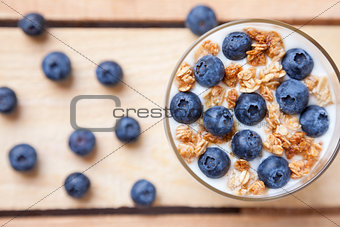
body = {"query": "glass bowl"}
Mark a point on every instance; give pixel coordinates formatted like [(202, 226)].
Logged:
[(326, 157)]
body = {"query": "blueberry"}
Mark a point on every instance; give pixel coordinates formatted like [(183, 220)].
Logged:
[(209, 71), (292, 96), (56, 66), (250, 108), (127, 129), (109, 73), (143, 193), (246, 144), (201, 19), (297, 63), (8, 100), (77, 185), (82, 142), (186, 107), (235, 45), (214, 163), (32, 24), (218, 120), (23, 157), (314, 121), (274, 172)]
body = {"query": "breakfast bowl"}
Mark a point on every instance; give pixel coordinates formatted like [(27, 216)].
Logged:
[(254, 110)]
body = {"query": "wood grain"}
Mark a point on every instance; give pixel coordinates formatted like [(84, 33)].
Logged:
[(292, 11), (178, 220), (148, 57)]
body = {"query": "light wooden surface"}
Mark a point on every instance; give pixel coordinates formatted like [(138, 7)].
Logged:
[(147, 57), (173, 10), (179, 220)]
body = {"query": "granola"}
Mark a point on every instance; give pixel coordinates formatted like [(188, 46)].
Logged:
[(272, 72), (230, 78), (248, 81), (266, 93), (211, 138), (231, 98), (274, 42), (185, 134), (257, 188), (184, 78), (241, 165), (311, 82), (298, 169), (322, 92), (207, 47), (192, 144), (214, 96), (257, 56), (239, 181), (276, 143)]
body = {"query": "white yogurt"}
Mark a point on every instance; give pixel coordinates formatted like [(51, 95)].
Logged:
[(291, 40)]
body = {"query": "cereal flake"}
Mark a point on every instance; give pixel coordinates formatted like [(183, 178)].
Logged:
[(184, 78), (214, 96), (231, 98), (206, 48), (230, 78)]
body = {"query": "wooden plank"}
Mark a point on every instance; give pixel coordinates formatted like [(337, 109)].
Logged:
[(148, 57), (292, 11), (178, 220)]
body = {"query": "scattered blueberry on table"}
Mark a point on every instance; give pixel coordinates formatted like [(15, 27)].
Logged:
[(218, 120), (274, 172), (209, 71), (186, 107), (56, 66), (250, 108), (297, 63), (314, 121), (214, 163), (109, 73), (292, 96), (82, 142), (235, 45), (23, 157), (127, 129), (143, 193), (201, 19), (32, 24), (246, 144), (8, 100), (77, 185)]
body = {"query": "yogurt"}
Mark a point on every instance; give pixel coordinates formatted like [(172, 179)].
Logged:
[(291, 39)]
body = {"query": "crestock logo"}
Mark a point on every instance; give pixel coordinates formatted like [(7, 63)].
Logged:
[(119, 112)]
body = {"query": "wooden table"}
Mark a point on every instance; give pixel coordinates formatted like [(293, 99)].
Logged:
[(146, 38)]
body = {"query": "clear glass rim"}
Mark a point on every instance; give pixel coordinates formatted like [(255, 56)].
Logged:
[(171, 139)]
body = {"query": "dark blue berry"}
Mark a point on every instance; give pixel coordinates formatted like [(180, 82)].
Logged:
[(23, 157), (8, 100), (297, 63), (214, 163), (209, 71), (246, 144), (82, 142), (218, 120), (127, 129), (109, 73), (143, 193), (186, 107), (201, 19), (32, 24), (292, 96), (314, 121), (250, 108), (235, 45), (274, 172), (77, 185), (56, 66)]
